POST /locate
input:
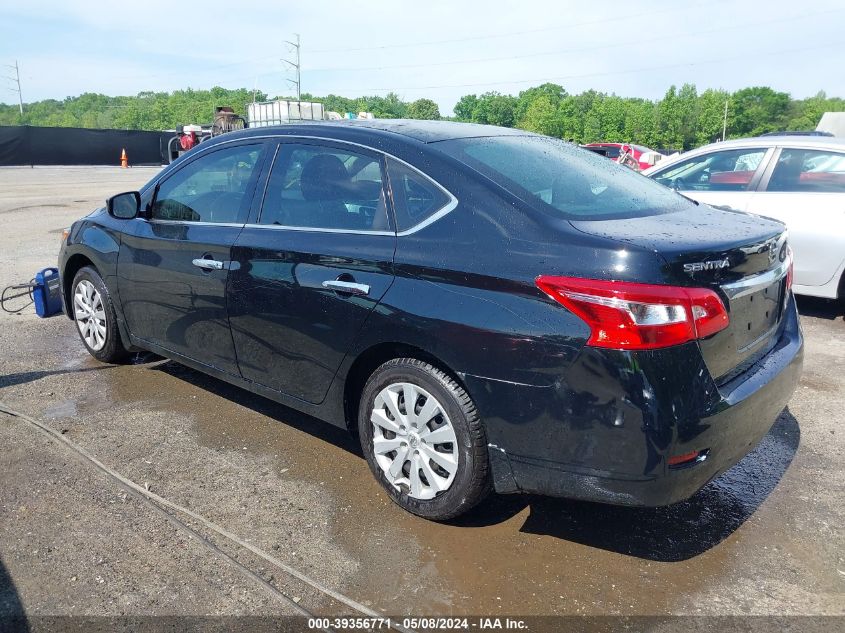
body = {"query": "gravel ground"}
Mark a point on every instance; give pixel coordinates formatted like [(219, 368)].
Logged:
[(765, 539)]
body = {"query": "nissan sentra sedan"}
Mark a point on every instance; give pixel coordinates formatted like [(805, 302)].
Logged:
[(487, 309)]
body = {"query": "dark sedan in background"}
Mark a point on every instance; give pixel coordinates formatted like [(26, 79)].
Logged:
[(486, 308)]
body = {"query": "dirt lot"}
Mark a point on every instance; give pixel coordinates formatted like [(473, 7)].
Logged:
[(765, 539)]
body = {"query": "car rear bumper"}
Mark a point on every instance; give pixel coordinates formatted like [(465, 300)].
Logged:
[(606, 431)]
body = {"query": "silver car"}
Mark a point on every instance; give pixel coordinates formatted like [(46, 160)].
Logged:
[(797, 180)]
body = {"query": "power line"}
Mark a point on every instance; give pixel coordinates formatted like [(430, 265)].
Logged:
[(16, 79), (250, 60), (603, 74), (613, 44), (206, 69), (475, 38)]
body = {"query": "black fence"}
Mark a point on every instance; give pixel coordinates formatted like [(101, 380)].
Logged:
[(29, 145)]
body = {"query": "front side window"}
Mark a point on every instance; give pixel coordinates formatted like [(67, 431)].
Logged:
[(321, 187), (728, 170), (809, 170), (213, 188), (562, 179)]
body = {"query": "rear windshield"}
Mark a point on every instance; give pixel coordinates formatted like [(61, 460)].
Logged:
[(563, 179)]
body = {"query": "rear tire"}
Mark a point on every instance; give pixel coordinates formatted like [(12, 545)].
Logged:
[(94, 315), (840, 294), (430, 458)]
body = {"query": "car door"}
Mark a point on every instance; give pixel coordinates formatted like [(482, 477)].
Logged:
[(805, 188), (174, 264), (723, 177), (311, 267)]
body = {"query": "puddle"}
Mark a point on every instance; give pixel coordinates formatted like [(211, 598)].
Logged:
[(63, 409), (514, 554)]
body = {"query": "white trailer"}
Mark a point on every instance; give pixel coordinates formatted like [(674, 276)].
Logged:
[(264, 113)]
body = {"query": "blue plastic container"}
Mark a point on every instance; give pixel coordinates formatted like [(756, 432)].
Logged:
[(47, 292)]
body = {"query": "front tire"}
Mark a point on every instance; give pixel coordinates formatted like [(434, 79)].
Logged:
[(93, 313), (423, 439)]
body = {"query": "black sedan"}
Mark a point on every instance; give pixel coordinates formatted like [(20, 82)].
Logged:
[(485, 308)]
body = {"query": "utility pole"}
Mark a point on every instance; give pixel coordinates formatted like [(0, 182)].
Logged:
[(725, 121), (17, 80), (296, 66)]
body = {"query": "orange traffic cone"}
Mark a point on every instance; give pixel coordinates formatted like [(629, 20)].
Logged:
[(124, 161)]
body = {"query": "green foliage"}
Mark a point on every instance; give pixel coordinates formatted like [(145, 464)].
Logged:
[(495, 109), (804, 115), (145, 111), (423, 109), (758, 110), (551, 93), (682, 119), (465, 107), (710, 116), (541, 116)]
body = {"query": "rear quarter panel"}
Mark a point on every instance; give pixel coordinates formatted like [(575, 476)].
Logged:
[(465, 288)]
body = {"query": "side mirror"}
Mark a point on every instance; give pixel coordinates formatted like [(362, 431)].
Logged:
[(124, 206)]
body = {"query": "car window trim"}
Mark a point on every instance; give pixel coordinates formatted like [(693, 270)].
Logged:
[(445, 210), (254, 179), (195, 222)]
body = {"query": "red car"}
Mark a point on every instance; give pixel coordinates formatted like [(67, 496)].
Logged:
[(614, 150)]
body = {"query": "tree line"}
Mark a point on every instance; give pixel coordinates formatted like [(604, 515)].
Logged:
[(682, 119)]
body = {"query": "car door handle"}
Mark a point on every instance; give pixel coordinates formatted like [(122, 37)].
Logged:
[(349, 287), (209, 264)]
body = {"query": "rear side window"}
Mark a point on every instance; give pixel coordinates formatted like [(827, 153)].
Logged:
[(322, 187), (563, 179), (729, 170), (809, 170), (212, 188), (415, 197)]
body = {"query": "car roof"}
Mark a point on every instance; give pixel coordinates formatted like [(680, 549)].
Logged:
[(777, 141), (799, 142), (422, 131), (433, 131)]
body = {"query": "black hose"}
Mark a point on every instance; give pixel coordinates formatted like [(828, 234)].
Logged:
[(5, 296)]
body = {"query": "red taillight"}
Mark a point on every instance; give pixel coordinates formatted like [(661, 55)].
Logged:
[(625, 315)]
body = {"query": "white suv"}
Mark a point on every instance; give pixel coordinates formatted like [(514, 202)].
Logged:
[(797, 180)]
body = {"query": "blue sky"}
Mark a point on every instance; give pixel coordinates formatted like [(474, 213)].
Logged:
[(435, 49)]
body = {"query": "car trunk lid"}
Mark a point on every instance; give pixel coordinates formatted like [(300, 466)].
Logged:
[(743, 257)]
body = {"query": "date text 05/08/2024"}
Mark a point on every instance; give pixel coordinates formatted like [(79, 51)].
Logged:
[(421, 623)]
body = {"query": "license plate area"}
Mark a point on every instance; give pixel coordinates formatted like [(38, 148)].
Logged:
[(755, 316)]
